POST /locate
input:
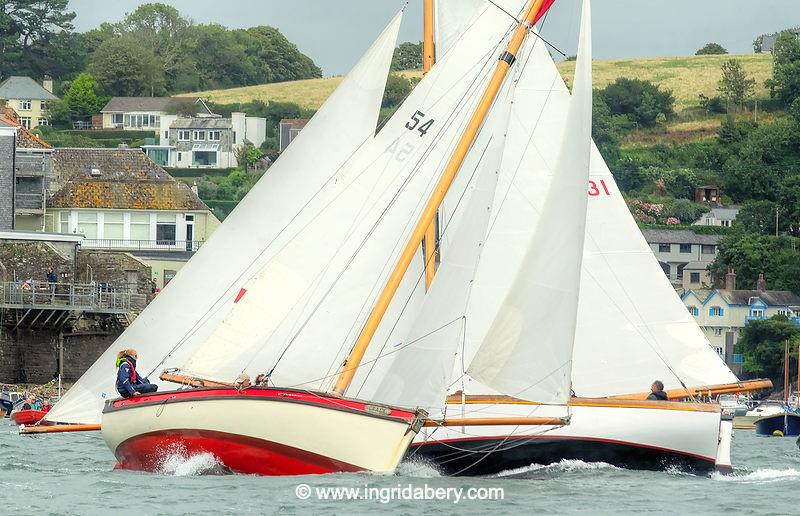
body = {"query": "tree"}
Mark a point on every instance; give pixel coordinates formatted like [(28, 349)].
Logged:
[(751, 254), (397, 89), (29, 35), (124, 68), (711, 49), (408, 56), (785, 81), (640, 101), (735, 86), (758, 216), (762, 342), (607, 130), (83, 98)]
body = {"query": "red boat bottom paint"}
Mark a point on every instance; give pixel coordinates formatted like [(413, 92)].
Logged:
[(240, 454)]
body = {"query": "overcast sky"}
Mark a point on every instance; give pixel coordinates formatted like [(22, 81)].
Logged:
[(334, 33)]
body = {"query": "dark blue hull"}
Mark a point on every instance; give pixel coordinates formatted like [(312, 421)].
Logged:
[(788, 424)]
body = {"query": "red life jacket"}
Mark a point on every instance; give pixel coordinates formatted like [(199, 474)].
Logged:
[(133, 370)]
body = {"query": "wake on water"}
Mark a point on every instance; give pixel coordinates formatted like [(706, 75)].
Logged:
[(177, 462), (759, 476)]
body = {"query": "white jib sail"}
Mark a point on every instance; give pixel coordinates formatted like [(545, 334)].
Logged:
[(527, 352), (184, 314), (305, 308), (451, 18), (421, 363)]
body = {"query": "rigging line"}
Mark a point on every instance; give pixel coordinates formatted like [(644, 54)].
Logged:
[(442, 234), (516, 20)]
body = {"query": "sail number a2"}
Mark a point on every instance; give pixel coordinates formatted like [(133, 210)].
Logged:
[(417, 119), (597, 188)]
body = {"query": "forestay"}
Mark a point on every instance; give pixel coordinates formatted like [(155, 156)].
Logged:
[(183, 315), (305, 308), (527, 352)]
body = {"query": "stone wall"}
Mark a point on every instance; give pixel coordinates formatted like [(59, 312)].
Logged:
[(22, 260), (114, 268), (7, 140)]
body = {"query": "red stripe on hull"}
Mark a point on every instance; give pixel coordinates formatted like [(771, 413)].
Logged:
[(241, 454)]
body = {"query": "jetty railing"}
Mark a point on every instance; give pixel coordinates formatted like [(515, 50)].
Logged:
[(90, 297)]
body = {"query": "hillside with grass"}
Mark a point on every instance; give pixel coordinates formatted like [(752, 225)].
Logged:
[(687, 77)]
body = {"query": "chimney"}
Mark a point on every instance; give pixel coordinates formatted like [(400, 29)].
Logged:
[(194, 188), (761, 285), (730, 279), (122, 146), (47, 83)]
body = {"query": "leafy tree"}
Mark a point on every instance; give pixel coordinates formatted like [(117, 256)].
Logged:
[(273, 57), (640, 101), (751, 254), (711, 49), (762, 342), (712, 104), (687, 211), (758, 216), (99, 35), (123, 67), (785, 81), (397, 89), (408, 56), (733, 131), (735, 86), (221, 61), (83, 98), (30, 33)]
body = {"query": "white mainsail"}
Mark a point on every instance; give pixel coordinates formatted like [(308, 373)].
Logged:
[(451, 19), (527, 352), (306, 306), (184, 314)]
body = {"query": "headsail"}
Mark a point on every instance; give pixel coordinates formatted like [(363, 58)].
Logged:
[(307, 305), (527, 352), (185, 313)]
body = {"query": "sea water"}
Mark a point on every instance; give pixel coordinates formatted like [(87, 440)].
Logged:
[(73, 474)]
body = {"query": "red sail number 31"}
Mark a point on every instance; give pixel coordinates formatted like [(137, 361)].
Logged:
[(594, 190)]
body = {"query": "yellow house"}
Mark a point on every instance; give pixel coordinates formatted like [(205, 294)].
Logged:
[(28, 98), (119, 200)]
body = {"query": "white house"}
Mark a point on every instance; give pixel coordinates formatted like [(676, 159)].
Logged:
[(144, 113), (718, 217)]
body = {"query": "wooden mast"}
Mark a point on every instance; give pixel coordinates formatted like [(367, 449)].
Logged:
[(467, 138), (786, 372), (428, 58)]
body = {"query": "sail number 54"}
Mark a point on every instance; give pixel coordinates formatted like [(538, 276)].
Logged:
[(417, 119), (597, 188)]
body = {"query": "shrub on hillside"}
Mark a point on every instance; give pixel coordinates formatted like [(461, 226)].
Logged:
[(640, 101), (711, 49), (785, 82)]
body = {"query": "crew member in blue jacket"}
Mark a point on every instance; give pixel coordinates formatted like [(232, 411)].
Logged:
[(129, 382)]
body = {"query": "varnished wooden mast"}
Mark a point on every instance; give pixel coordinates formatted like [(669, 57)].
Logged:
[(428, 58), (786, 372), (467, 138)]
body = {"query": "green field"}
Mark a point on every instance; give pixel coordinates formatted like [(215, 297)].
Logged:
[(687, 77)]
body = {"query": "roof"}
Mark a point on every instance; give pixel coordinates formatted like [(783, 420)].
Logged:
[(668, 236), (25, 138), (770, 297), (296, 123), (16, 87), (123, 179), (696, 266), (149, 104), (167, 256), (202, 123), (39, 236)]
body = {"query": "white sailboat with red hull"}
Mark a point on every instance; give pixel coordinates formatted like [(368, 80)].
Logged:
[(303, 268)]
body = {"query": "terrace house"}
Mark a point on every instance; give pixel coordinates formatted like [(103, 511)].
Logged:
[(676, 249)]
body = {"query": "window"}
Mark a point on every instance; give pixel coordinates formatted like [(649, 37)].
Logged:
[(694, 277), (140, 120), (180, 157), (214, 136), (116, 118), (63, 222), (165, 229), (693, 310), (234, 138), (43, 105), (757, 312), (42, 121), (726, 223), (680, 270), (686, 248), (184, 135), (140, 226), (25, 121), (159, 156), (113, 225), (709, 249), (717, 332), (87, 224), (25, 105), (166, 135), (664, 248), (168, 275), (783, 313), (716, 311), (199, 136), (719, 351), (204, 158)]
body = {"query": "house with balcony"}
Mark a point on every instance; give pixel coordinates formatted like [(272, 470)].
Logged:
[(28, 168), (119, 200), (675, 250), (723, 313), (144, 113), (203, 142), (28, 98)]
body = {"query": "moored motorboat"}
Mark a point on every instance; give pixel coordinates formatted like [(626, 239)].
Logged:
[(784, 423), (261, 431), (29, 417)]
